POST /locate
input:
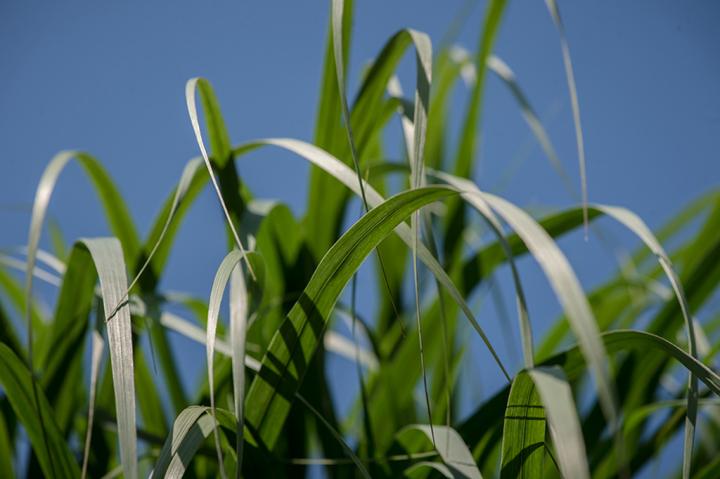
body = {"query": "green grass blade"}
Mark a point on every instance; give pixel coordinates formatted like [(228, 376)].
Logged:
[(190, 88), (562, 418), (222, 276), (475, 198), (505, 73), (637, 226), (238, 332), (523, 437), (47, 441), (452, 449), (468, 137), (98, 345), (567, 61), (285, 362), (190, 429), (566, 287), (345, 175), (107, 256)]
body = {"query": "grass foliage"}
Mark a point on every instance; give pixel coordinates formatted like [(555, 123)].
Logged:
[(629, 352)]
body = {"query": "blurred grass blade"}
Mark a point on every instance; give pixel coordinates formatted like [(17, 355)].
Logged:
[(450, 446), (48, 443), (562, 418), (567, 61), (473, 196), (190, 88), (566, 287), (107, 256), (293, 346), (345, 175), (98, 345), (499, 67), (637, 226), (523, 434), (467, 147), (348, 450)]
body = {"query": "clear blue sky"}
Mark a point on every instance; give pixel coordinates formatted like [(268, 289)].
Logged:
[(109, 79)]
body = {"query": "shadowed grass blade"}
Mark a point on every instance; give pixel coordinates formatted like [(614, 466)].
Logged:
[(563, 421), (98, 345), (523, 437), (294, 345), (450, 446), (47, 441)]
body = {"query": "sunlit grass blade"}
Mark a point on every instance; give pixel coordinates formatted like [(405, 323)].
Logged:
[(54, 454), (345, 175), (238, 332), (190, 88), (637, 226), (107, 256), (566, 286), (523, 436), (562, 419), (117, 214), (569, 73), (98, 344), (222, 276), (449, 445), (467, 147), (190, 429), (473, 196), (292, 347)]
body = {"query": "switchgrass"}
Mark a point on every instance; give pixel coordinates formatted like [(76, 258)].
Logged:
[(265, 409)]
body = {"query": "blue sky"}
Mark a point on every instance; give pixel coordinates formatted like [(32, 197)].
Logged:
[(109, 79)]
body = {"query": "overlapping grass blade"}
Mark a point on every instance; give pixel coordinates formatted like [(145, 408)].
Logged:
[(566, 287), (292, 347), (98, 344), (562, 419), (190, 88), (636, 225), (190, 429), (238, 307), (452, 449), (54, 454), (238, 332), (345, 175)]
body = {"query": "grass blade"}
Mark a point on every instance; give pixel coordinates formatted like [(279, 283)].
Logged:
[(563, 421), (452, 449), (292, 347), (523, 436), (222, 276), (97, 350), (567, 61), (238, 331), (190, 88), (107, 256), (47, 441)]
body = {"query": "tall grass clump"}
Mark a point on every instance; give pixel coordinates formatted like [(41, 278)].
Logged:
[(625, 373)]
